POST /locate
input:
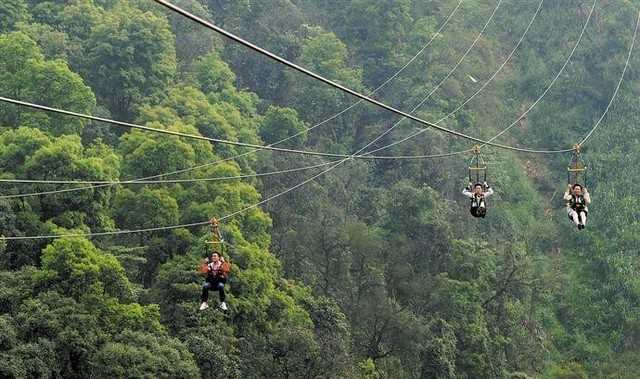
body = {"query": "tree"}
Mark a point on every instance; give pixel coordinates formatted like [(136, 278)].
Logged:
[(280, 123), (130, 56), (29, 77), (135, 354), (191, 41), (11, 12), (211, 74), (76, 268), (324, 53), (148, 208)]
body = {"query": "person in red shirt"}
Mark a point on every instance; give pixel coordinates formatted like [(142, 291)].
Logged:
[(217, 271)]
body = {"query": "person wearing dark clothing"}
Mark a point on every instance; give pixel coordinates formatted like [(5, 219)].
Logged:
[(217, 271), (478, 196)]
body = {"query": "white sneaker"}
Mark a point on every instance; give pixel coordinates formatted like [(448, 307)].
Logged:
[(223, 306), (204, 306)]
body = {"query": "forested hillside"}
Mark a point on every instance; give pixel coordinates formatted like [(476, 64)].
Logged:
[(361, 268)]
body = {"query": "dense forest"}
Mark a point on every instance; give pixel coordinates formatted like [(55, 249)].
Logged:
[(373, 269)]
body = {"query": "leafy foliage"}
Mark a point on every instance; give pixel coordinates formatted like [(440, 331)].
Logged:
[(375, 269)]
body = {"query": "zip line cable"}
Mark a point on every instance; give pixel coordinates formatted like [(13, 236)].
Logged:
[(173, 181), (171, 227), (407, 157), (245, 209), (606, 111), (203, 138), (615, 92), (389, 130), (264, 201), (374, 91), (402, 157), (165, 181), (145, 181), (287, 138), (484, 85), (529, 109), (227, 142), (312, 178), (164, 131), (257, 147), (321, 78), (383, 84)]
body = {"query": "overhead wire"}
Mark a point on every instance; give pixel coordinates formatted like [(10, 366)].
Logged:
[(165, 131), (143, 181), (163, 181), (258, 147), (245, 209), (389, 130), (424, 100), (282, 193), (615, 92), (380, 136), (482, 87), (459, 62), (307, 180), (243, 144), (147, 181), (338, 86), (517, 120)]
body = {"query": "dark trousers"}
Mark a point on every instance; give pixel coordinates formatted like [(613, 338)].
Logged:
[(213, 284), (478, 211)]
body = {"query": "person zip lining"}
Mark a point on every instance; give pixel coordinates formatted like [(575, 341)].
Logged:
[(576, 195), (479, 191), (578, 199), (478, 194), (216, 270)]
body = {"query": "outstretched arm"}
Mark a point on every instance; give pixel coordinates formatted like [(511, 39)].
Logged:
[(489, 190), (587, 197), (467, 193)]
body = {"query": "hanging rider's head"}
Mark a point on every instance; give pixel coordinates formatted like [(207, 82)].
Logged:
[(577, 189), (478, 189)]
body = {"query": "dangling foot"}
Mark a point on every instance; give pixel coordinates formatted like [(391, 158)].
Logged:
[(204, 306), (223, 306)]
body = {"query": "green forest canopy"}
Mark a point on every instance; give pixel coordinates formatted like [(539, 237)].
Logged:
[(374, 270)]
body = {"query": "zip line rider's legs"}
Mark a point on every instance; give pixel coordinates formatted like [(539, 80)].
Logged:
[(573, 216), (216, 284), (578, 218)]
